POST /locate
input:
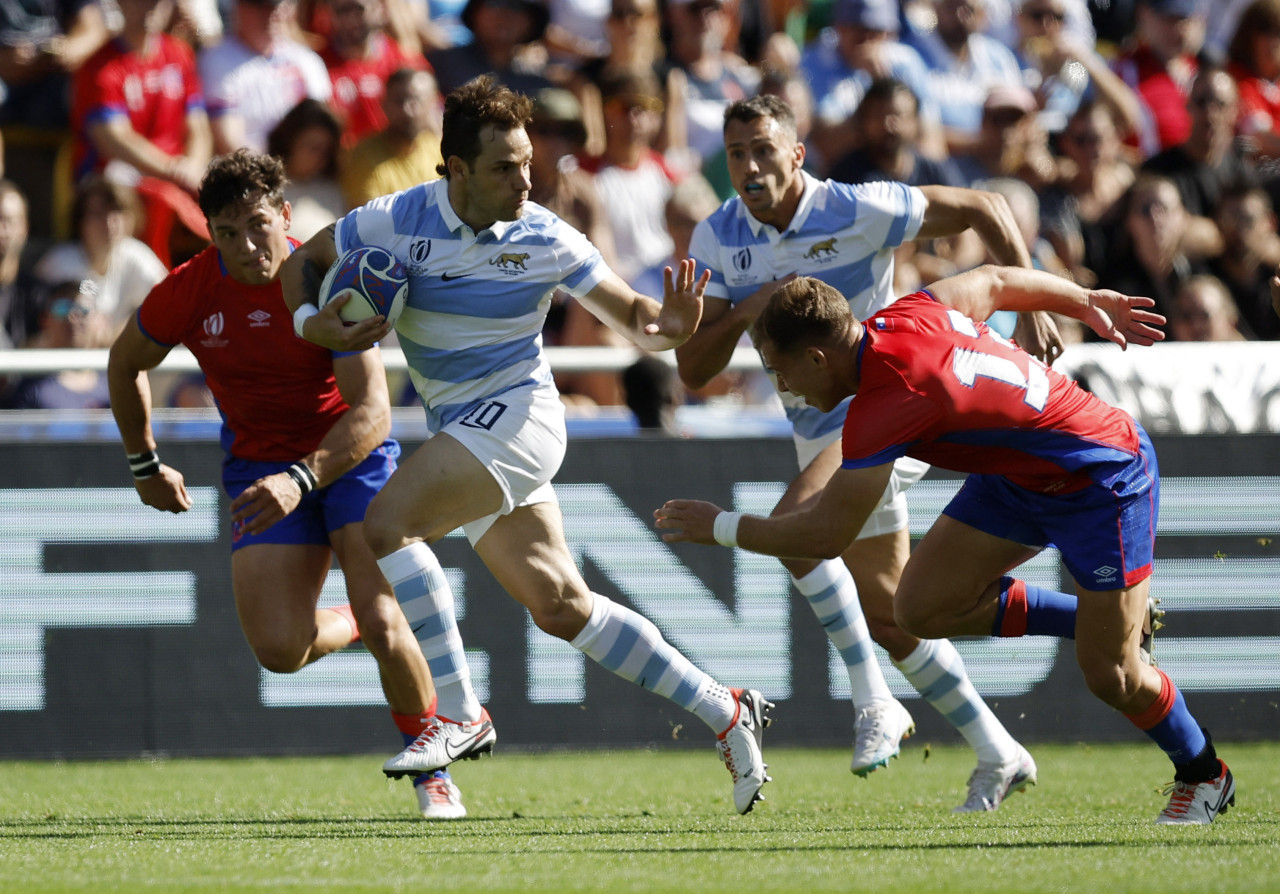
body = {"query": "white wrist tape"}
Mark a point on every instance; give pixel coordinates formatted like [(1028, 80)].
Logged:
[(301, 315), (725, 528)]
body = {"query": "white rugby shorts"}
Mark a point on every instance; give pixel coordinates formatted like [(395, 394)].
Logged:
[(519, 436)]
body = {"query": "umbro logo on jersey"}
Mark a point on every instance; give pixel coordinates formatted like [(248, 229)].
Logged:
[(260, 318)]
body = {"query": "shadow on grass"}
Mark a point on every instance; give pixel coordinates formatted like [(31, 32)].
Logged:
[(508, 832)]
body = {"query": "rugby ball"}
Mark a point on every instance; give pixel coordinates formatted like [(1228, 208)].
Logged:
[(375, 280)]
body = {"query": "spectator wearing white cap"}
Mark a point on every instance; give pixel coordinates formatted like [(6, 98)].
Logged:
[(861, 46), (1010, 141)]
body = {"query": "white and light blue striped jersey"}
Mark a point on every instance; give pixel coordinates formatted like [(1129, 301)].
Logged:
[(472, 325), (843, 234)]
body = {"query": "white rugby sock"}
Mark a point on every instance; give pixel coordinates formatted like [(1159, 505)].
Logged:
[(831, 593), (937, 672), (627, 643), (426, 599)]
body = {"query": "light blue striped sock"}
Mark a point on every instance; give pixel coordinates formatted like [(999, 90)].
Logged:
[(426, 599), (937, 672), (627, 643), (831, 593)]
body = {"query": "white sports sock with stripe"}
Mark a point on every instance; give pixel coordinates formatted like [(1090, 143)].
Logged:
[(627, 643), (426, 599), (831, 593), (937, 672)]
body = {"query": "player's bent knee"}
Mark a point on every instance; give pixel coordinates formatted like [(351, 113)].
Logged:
[(381, 531), (562, 618), (915, 620), (1109, 682), (279, 658)]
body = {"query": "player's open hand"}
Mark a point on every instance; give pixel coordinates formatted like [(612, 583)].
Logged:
[(264, 503), (166, 490), (1037, 334), (328, 329), (687, 521), (1123, 319), (681, 303)]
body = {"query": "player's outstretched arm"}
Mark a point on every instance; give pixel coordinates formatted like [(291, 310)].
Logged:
[(822, 531), (647, 323), (158, 485), (300, 278), (362, 381), (952, 210), (980, 292)]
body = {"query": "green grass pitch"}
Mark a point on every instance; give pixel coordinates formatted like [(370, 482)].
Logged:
[(631, 821)]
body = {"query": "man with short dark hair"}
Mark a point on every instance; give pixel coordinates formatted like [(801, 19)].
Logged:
[(404, 153), (785, 222), (483, 262), (360, 56), (307, 448), (888, 125), (1047, 463)]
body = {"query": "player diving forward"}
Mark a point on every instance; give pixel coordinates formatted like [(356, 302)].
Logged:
[(785, 222), (483, 263), (1048, 463), (305, 430)]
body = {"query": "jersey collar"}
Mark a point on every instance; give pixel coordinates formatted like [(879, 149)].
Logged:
[(456, 225)]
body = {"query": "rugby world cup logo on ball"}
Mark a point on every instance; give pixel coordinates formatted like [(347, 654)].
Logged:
[(375, 281)]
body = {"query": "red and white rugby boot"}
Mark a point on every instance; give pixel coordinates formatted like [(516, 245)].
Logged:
[(739, 748), (438, 797), (443, 742), (1198, 803)]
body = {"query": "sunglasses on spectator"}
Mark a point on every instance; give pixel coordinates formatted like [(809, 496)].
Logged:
[(632, 103), (1208, 102), (1004, 117), (1084, 139), (1044, 16), (1151, 207), (68, 309)]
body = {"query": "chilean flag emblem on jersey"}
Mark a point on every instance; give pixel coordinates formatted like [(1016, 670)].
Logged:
[(883, 325)]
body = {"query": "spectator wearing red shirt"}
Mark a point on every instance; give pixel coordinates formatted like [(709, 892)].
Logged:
[(1159, 68), (360, 56), (1254, 62), (138, 113)]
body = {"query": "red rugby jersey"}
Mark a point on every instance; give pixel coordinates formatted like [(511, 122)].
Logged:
[(155, 91), (276, 391), (944, 389)]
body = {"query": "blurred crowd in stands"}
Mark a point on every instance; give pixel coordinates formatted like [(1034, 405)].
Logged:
[(1137, 141)]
